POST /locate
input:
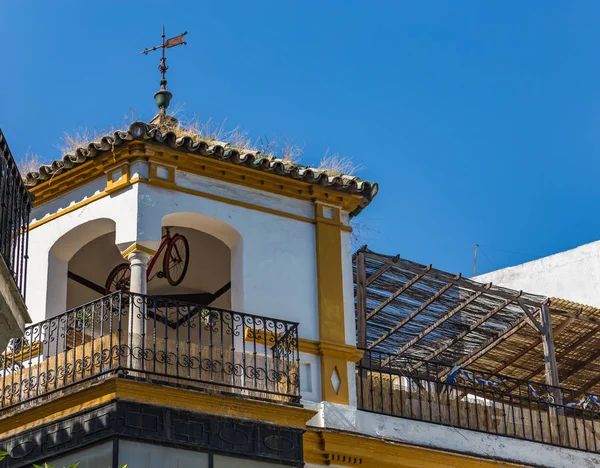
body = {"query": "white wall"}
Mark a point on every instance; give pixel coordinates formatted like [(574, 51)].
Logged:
[(278, 255), (435, 436), (273, 258), (48, 259), (573, 275)]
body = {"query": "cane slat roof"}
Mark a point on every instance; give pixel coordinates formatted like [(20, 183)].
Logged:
[(421, 312)]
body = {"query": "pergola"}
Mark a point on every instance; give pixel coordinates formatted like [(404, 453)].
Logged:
[(405, 309)]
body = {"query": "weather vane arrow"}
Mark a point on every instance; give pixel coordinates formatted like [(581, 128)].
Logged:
[(163, 97)]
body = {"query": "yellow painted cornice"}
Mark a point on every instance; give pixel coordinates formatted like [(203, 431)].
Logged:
[(308, 346), (114, 388), (137, 247), (194, 164), (169, 186), (335, 448), (327, 348)]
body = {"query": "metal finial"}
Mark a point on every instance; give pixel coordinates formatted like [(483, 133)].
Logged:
[(162, 96)]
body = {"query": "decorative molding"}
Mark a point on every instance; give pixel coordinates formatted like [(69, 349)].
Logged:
[(166, 185), (327, 348), (137, 247), (323, 447), (214, 169), (330, 288), (154, 165), (90, 395), (155, 424), (230, 201), (308, 346), (122, 181), (69, 209)]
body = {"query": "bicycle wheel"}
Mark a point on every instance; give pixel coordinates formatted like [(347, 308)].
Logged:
[(176, 260), (119, 278)]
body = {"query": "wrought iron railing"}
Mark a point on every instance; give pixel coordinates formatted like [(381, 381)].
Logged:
[(480, 401), (145, 337), (15, 208)]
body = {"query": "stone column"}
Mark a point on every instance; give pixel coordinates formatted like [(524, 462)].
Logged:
[(138, 261)]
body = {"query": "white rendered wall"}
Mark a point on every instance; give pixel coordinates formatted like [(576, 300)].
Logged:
[(278, 264), (273, 258), (47, 269), (435, 436), (573, 275)]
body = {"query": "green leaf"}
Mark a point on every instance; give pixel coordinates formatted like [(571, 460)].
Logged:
[(124, 466), (74, 466), (3, 455)]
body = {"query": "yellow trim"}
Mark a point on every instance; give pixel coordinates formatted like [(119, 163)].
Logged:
[(259, 336), (308, 346), (153, 167), (330, 285), (89, 171), (28, 352), (163, 184), (137, 247), (69, 209), (210, 196), (114, 388), (112, 186), (326, 348), (336, 448)]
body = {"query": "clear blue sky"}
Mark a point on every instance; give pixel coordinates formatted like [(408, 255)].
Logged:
[(479, 120)]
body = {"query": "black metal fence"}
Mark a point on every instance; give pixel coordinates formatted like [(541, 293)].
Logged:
[(480, 401), (146, 337), (15, 208)]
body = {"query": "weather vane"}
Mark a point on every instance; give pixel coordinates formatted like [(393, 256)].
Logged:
[(162, 96)]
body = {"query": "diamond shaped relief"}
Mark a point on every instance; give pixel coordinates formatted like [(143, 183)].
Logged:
[(335, 380)]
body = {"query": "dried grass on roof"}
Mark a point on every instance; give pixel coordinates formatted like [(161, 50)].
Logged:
[(280, 148)]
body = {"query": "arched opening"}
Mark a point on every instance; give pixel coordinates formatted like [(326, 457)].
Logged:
[(88, 254), (203, 344), (214, 273), (65, 256)]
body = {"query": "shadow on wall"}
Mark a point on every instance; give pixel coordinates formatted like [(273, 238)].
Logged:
[(208, 270)]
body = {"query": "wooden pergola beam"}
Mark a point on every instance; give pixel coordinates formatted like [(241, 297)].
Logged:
[(491, 344), (580, 317), (412, 315), (591, 384), (582, 339), (473, 286), (448, 315), (582, 365), (361, 301), (383, 269), (462, 334), (399, 291), (551, 369), (530, 319), (532, 346)]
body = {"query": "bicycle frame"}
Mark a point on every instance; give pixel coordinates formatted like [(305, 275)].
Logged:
[(163, 243)]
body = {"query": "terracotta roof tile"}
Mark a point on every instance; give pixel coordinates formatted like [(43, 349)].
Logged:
[(255, 160)]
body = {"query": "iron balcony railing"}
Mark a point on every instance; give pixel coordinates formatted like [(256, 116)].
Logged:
[(145, 337), (480, 401), (15, 209)]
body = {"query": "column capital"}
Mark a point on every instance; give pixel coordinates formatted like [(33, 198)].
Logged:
[(139, 257), (137, 248)]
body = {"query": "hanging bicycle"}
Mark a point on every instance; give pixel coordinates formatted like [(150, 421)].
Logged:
[(174, 267)]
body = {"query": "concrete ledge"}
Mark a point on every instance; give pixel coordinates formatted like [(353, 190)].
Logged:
[(463, 441), (13, 311)]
